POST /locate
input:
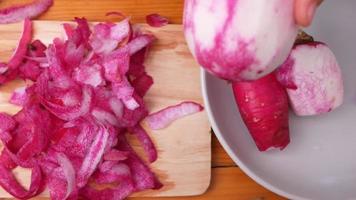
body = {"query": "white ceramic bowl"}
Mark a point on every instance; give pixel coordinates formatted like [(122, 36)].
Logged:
[(320, 161)]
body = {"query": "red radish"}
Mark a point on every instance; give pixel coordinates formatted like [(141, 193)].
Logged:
[(263, 105), (316, 76), (240, 39)]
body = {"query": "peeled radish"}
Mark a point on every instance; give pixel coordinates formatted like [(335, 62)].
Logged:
[(263, 106), (313, 78), (240, 39)]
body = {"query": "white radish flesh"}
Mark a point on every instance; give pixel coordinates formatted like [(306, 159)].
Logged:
[(316, 76), (240, 39)]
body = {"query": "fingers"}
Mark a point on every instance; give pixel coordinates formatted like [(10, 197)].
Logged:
[(304, 11)]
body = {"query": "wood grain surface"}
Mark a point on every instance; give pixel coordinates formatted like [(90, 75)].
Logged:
[(228, 181)]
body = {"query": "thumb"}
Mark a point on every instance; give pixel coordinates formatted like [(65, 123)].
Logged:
[(304, 11)]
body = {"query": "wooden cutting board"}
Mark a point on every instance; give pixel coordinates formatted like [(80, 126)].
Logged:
[(184, 163)]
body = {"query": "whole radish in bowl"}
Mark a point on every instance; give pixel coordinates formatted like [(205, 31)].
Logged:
[(313, 77), (240, 40), (244, 41)]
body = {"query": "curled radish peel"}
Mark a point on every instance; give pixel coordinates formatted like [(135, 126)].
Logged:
[(69, 173), (166, 116), (19, 13)]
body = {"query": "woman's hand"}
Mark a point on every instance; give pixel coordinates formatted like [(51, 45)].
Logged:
[(304, 11)]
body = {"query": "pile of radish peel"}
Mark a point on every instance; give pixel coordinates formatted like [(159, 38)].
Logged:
[(250, 43), (83, 95), (310, 81)]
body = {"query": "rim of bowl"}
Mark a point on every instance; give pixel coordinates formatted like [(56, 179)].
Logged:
[(228, 149)]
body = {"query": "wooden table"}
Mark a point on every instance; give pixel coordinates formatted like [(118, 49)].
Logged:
[(228, 181)]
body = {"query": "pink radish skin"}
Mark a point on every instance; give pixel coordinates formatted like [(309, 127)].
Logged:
[(313, 69), (263, 106), (240, 39), (18, 13)]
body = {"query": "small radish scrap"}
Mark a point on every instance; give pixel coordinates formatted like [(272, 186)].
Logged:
[(20, 96), (114, 13), (18, 13), (315, 75), (83, 95), (166, 116), (156, 20), (263, 106), (240, 40)]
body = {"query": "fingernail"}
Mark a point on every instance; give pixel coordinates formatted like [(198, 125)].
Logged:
[(311, 10)]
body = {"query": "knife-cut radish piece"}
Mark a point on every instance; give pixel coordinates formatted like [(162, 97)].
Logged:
[(313, 69), (263, 106), (163, 118), (240, 40)]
